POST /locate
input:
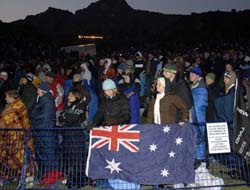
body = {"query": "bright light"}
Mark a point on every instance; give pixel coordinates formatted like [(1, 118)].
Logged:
[(90, 37)]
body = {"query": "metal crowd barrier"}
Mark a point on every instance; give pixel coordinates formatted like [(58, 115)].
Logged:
[(55, 159)]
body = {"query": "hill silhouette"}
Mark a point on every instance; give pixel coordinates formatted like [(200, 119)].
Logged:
[(123, 26)]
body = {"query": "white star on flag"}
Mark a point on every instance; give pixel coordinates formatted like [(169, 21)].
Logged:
[(166, 129), (178, 141), (153, 147), (171, 154), (113, 166), (164, 173)]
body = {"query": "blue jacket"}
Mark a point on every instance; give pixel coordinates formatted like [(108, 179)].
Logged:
[(134, 104), (224, 106), (43, 119), (198, 114), (43, 115)]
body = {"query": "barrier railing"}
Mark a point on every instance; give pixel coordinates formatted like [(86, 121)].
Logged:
[(56, 158)]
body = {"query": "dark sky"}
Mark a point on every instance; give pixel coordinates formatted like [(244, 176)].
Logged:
[(11, 10)]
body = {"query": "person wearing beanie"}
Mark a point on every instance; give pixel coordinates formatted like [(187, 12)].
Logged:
[(114, 107), (120, 72), (224, 109), (163, 109), (229, 80), (213, 91), (198, 112), (180, 86), (43, 116)]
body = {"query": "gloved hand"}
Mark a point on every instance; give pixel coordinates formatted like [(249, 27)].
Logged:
[(181, 123)]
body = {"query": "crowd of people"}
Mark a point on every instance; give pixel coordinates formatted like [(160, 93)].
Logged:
[(193, 85)]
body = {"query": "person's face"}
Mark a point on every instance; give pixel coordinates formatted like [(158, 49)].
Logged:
[(167, 74), (209, 81), (71, 97), (22, 81), (193, 77), (9, 99), (109, 93), (226, 80), (229, 67), (160, 87), (40, 93)]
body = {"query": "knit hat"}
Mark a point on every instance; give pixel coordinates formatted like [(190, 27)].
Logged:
[(44, 86), (122, 67), (170, 68), (3, 75), (228, 74), (108, 84), (30, 77), (138, 54), (196, 70), (211, 76)]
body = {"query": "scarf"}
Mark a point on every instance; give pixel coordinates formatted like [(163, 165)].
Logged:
[(157, 114)]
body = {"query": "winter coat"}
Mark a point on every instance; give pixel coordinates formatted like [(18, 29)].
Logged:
[(112, 111), (169, 105), (43, 119), (44, 113), (224, 106), (73, 115), (198, 115), (28, 95)]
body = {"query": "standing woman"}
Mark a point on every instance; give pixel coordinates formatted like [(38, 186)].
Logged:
[(73, 117), (43, 120), (113, 110), (12, 143), (114, 107), (163, 109)]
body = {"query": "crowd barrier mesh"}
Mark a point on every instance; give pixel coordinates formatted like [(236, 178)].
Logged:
[(56, 159)]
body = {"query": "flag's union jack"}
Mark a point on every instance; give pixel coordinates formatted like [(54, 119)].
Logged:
[(115, 136)]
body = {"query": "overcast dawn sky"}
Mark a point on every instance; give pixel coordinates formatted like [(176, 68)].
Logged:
[(11, 10)]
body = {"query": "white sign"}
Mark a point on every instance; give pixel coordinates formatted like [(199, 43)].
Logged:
[(218, 138)]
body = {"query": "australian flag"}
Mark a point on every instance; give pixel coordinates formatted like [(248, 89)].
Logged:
[(143, 154)]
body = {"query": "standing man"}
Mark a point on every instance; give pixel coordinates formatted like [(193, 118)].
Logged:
[(179, 86), (198, 112)]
